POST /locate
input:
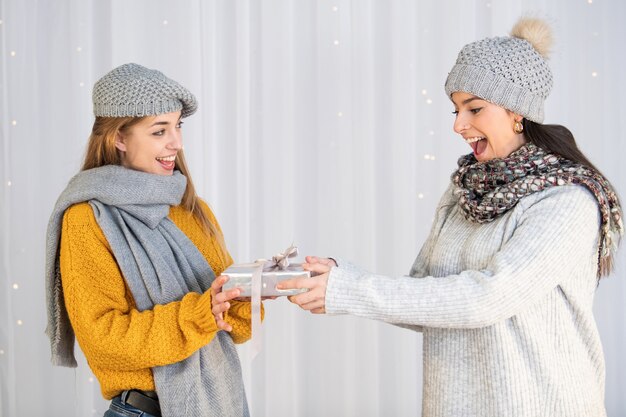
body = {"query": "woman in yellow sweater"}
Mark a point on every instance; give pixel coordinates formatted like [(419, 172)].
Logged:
[(132, 260)]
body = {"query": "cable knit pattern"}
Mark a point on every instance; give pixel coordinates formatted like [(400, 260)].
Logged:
[(505, 308), (120, 343)]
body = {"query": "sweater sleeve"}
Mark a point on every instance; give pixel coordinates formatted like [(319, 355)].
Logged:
[(111, 331), (553, 235), (239, 315)]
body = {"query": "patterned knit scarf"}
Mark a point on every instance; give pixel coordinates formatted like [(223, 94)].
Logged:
[(488, 189)]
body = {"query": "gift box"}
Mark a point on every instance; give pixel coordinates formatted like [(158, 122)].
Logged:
[(274, 271)]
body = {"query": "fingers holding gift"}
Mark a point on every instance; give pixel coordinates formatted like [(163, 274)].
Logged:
[(222, 297), (295, 284), (316, 268), (220, 301), (218, 310), (318, 260), (217, 284), (223, 325), (314, 299), (317, 306), (318, 265)]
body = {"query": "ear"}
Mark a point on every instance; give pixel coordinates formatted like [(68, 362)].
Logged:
[(119, 142), (517, 117)]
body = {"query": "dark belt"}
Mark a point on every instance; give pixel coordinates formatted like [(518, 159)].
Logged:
[(147, 401)]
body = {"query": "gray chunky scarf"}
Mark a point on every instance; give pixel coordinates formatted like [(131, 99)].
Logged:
[(160, 265), (488, 189)]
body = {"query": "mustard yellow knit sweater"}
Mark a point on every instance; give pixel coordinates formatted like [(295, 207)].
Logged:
[(120, 343)]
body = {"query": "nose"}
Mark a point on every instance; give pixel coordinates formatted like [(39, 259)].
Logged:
[(460, 124), (176, 141)]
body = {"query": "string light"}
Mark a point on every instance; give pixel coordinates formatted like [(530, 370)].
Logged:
[(336, 42), (1, 351), (9, 183), (594, 74), (420, 196), (431, 132), (429, 157), (79, 49), (16, 287), (12, 53), (165, 22), (82, 84), (0, 22), (90, 379), (340, 114), (424, 92), (14, 122), (335, 8), (429, 101), (589, 1), (20, 322)]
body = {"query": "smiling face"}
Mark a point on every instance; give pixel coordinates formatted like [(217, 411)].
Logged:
[(152, 144), (486, 127)]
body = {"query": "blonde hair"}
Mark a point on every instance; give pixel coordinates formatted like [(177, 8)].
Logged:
[(101, 151)]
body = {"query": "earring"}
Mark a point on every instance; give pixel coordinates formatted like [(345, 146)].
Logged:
[(518, 127)]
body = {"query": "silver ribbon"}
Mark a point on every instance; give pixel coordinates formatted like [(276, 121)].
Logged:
[(279, 261)]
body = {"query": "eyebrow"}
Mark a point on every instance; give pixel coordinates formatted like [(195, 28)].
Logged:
[(467, 100), (159, 123), (471, 99), (164, 122)]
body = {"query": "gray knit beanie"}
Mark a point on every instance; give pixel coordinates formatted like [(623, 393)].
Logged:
[(132, 90), (510, 71)]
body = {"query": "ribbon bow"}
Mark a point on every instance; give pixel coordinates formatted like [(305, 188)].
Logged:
[(280, 261)]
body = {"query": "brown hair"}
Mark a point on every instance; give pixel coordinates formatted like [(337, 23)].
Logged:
[(559, 140), (101, 151)]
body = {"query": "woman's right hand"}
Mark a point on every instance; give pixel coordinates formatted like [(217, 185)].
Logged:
[(220, 301), (324, 261)]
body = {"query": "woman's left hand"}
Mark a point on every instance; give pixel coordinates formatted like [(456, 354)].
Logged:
[(220, 301), (314, 300)]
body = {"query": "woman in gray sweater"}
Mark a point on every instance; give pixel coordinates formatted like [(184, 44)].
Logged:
[(503, 287)]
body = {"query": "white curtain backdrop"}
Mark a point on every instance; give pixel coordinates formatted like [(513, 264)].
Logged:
[(321, 122)]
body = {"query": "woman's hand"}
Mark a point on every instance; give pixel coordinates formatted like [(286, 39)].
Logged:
[(310, 260), (220, 301), (314, 300)]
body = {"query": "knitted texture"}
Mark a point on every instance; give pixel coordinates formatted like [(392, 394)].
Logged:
[(488, 189), (505, 308), (132, 90), (160, 266), (506, 71), (166, 334)]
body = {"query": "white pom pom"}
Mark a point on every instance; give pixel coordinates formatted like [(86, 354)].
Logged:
[(535, 31)]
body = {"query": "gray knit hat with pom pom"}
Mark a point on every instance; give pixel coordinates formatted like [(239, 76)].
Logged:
[(510, 71), (132, 90)]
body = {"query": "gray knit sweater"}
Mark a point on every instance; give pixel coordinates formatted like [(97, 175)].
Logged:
[(505, 308)]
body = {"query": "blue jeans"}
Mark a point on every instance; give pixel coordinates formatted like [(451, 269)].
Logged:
[(119, 408)]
